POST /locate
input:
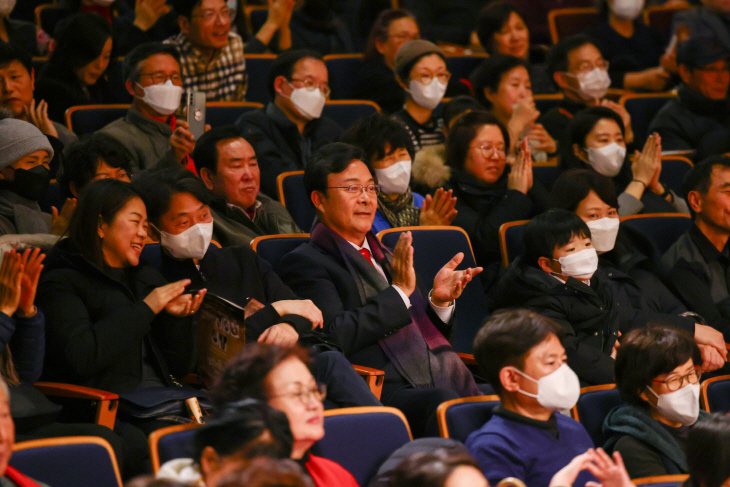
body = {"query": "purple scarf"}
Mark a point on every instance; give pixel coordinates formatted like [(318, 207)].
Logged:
[(419, 352)]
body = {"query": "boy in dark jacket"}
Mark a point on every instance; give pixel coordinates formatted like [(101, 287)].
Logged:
[(559, 277)]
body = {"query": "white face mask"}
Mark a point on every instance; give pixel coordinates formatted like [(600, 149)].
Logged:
[(395, 179), (607, 160), (603, 233), (557, 391), (6, 6), (427, 96), (682, 406), (627, 9), (593, 84), (581, 264), (163, 98), (191, 244), (309, 103)]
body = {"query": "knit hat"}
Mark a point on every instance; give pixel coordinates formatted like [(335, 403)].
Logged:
[(18, 139), (412, 50)]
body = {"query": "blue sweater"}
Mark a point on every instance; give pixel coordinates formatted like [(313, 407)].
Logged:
[(507, 448), (380, 223)]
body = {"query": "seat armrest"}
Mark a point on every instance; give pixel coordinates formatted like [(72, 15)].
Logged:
[(107, 402), (467, 358), (373, 377)]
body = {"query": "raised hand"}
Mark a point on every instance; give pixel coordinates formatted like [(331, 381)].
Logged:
[(31, 261), (185, 304), (450, 283), (301, 307), (161, 296), (182, 140), (644, 166), (282, 334), (711, 358), (148, 12), (707, 335), (541, 139), (625, 117), (60, 220), (438, 209), (609, 472), (11, 273), (404, 275), (520, 177), (38, 116), (568, 474)]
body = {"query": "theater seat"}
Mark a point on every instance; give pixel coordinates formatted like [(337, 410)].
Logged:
[(643, 107), (565, 22), (459, 418), (257, 70), (342, 69), (674, 169), (511, 241), (661, 481), (68, 461), (218, 113), (272, 248), (592, 407), (87, 119), (659, 230), (361, 439), (296, 200), (347, 112), (170, 443), (715, 394)]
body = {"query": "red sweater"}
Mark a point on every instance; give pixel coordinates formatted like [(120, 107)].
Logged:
[(327, 473)]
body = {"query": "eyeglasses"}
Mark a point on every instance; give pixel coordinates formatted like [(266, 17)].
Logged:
[(587, 66), (427, 79), (160, 77), (405, 37), (357, 189), (488, 151), (676, 383), (209, 15), (310, 85), (304, 396)]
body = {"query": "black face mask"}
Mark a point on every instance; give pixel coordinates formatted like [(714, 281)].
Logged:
[(31, 183)]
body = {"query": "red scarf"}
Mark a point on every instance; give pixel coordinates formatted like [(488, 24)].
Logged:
[(19, 479)]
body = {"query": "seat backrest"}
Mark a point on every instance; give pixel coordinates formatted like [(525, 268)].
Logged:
[(565, 22), (226, 113), (347, 112), (342, 69), (661, 480), (68, 461), (87, 119), (543, 103), (295, 198), (361, 439), (433, 248), (152, 255), (459, 418), (660, 230), (546, 175), (660, 18), (511, 241), (715, 394), (257, 70), (272, 248), (643, 108), (592, 407), (674, 169), (461, 67), (170, 443)]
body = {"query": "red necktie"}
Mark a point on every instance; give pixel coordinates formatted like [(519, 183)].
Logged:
[(366, 253)]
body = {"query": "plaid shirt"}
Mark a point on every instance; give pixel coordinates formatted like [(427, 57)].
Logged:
[(223, 79)]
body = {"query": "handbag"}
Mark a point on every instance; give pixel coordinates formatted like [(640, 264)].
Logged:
[(159, 402)]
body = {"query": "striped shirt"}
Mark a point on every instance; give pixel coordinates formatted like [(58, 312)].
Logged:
[(223, 78), (422, 135)]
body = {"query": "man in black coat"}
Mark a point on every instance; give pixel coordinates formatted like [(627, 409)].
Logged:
[(369, 297), (289, 129), (176, 204)]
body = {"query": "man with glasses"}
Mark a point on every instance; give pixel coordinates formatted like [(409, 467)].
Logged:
[(368, 296), (699, 118), (289, 129), (578, 68), (211, 55)]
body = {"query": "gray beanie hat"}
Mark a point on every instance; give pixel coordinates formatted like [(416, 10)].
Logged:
[(18, 139), (412, 50)]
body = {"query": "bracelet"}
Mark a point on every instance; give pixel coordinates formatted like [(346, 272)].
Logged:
[(639, 181), (667, 192)]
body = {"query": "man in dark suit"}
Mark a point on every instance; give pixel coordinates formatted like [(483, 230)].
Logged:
[(369, 297)]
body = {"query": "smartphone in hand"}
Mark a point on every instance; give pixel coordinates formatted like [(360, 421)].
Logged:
[(195, 102)]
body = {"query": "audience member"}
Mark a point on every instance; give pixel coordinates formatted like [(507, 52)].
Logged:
[(276, 27), (658, 376), (699, 118), (697, 263), (280, 377), (633, 49), (20, 33), (446, 21), (97, 156), (559, 276), (78, 70), (527, 438), (17, 82), (420, 68), (489, 192), (239, 433), (268, 472), (182, 221), (598, 142), (150, 131), (501, 30), (316, 25), (386, 145), (370, 304), (211, 55), (578, 68), (376, 79), (502, 84), (440, 468), (228, 165), (286, 133), (709, 19), (707, 451)]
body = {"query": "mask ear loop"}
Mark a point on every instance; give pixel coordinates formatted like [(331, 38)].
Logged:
[(528, 394)]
